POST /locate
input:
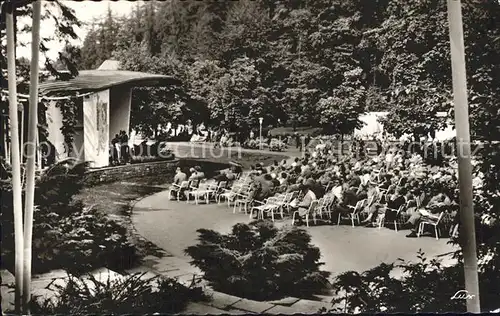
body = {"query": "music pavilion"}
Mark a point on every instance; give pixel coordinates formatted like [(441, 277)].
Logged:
[(103, 111)]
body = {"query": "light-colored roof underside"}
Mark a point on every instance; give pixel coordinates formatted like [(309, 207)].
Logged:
[(98, 80)]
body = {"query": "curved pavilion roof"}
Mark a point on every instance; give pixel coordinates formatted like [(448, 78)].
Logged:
[(102, 79)]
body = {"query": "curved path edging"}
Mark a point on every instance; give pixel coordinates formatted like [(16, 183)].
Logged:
[(220, 303), (152, 215)]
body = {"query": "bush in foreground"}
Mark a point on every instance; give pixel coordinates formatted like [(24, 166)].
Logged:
[(259, 261), (67, 235), (131, 295), (425, 286)]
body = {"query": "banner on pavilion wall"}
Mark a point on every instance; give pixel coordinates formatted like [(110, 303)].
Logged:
[(96, 128), (102, 125)]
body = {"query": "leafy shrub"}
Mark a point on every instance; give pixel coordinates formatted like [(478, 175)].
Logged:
[(428, 286), (80, 242), (133, 294), (65, 233), (259, 261), (425, 286)]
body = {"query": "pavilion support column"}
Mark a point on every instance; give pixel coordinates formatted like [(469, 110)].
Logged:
[(89, 151), (38, 151), (21, 131), (129, 109)]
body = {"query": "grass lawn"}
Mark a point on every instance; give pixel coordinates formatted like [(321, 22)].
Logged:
[(114, 199)]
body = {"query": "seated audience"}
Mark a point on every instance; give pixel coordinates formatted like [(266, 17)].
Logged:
[(388, 209), (196, 174), (388, 181)]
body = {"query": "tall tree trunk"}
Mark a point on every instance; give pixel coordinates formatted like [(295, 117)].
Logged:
[(16, 163), (31, 155)]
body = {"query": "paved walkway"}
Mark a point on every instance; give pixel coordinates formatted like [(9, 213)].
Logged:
[(172, 226)]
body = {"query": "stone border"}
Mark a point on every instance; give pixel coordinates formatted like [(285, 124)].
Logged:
[(113, 174), (222, 303)]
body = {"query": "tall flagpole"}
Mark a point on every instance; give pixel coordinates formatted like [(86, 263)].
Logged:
[(15, 156), (31, 154), (467, 233)]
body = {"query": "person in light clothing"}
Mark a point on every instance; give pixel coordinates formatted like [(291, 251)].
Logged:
[(337, 189), (303, 206), (180, 176)]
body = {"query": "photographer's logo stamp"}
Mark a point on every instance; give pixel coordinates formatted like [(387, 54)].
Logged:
[(462, 295)]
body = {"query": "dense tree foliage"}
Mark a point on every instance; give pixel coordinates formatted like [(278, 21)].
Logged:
[(305, 62), (56, 12), (244, 59), (318, 62)]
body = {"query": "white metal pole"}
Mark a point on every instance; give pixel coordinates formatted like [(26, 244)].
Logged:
[(15, 157), (260, 135), (21, 131), (38, 151), (467, 233), (5, 136), (31, 154)]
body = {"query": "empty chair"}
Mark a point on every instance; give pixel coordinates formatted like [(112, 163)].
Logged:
[(202, 191), (242, 200)]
